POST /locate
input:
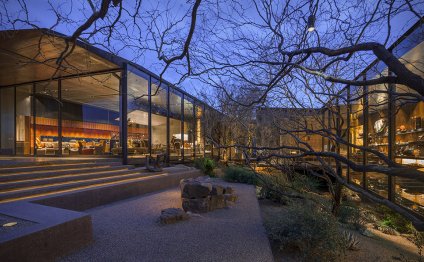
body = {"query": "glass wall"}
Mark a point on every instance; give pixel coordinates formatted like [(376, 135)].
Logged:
[(189, 129), (159, 115), (200, 132), (90, 115), (138, 119), (409, 125), (175, 125), (356, 133), (47, 105), (24, 121), (7, 115)]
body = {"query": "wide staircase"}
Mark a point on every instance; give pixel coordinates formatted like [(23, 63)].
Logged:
[(35, 180)]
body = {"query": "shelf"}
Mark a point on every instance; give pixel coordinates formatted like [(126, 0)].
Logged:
[(410, 132)]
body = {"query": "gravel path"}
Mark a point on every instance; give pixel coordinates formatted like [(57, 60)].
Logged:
[(129, 231)]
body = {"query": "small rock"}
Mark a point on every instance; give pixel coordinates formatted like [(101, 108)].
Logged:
[(367, 233), (173, 215)]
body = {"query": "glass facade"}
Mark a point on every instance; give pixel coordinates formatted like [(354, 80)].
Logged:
[(81, 116)]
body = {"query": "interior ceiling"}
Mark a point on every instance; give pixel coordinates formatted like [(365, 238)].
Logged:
[(31, 55)]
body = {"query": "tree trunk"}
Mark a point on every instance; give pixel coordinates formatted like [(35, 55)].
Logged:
[(337, 198)]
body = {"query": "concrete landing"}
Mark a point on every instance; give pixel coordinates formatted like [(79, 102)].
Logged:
[(129, 231)]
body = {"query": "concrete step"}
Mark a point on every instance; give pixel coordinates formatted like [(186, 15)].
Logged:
[(59, 172), (54, 178), (59, 166), (42, 189), (23, 162), (33, 191)]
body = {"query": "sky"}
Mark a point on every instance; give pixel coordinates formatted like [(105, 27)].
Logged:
[(41, 15)]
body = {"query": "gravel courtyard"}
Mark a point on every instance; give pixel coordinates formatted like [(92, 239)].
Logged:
[(129, 231)]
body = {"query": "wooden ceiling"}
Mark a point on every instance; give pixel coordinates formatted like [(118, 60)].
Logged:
[(31, 55)]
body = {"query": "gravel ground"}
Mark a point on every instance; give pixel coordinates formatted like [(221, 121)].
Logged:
[(129, 231)]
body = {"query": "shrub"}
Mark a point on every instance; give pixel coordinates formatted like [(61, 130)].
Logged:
[(349, 213), (313, 232), (205, 164), (395, 220), (240, 175)]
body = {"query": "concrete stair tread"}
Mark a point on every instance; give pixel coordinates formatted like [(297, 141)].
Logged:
[(6, 186), (57, 190), (58, 161), (57, 173), (43, 168)]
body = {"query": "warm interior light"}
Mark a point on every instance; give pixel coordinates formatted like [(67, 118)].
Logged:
[(311, 23)]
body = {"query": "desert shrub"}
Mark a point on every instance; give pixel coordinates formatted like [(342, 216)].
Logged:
[(240, 174), (205, 164), (395, 220), (349, 213), (314, 233)]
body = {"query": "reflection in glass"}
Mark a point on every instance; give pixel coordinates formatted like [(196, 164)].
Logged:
[(137, 115), (24, 121)]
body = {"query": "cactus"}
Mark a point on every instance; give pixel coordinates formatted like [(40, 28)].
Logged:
[(350, 240)]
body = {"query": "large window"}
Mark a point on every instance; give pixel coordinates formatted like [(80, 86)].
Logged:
[(378, 130), (90, 115), (175, 125), (24, 121), (7, 114), (189, 129), (47, 105), (356, 131), (138, 114), (159, 114)]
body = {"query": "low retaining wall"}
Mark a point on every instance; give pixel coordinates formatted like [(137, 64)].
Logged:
[(89, 198), (60, 231)]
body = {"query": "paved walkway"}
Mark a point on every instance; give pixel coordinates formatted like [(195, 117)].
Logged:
[(128, 231)]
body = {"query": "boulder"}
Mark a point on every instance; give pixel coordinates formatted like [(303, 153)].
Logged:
[(216, 202), (172, 215), (217, 190), (230, 197), (197, 205), (192, 190), (228, 190)]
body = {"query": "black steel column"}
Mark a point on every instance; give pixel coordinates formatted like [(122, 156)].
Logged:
[(149, 127), (365, 131), (348, 112), (182, 127), (123, 104), (168, 128), (34, 124), (194, 129), (391, 136), (59, 116), (14, 120)]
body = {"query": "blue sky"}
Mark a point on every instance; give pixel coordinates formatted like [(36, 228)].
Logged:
[(41, 15)]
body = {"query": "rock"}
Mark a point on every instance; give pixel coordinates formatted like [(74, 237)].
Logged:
[(192, 190), (217, 190), (198, 205), (172, 215), (228, 190), (216, 202), (230, 197)]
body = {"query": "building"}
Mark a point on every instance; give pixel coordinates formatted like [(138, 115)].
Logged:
[(387, 118), (94, 104)]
